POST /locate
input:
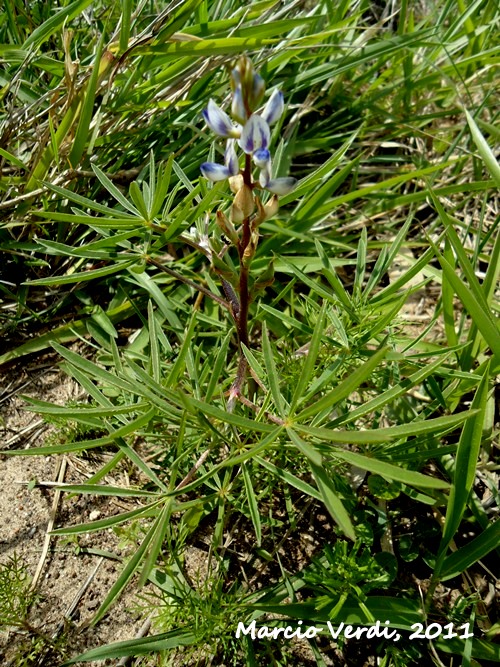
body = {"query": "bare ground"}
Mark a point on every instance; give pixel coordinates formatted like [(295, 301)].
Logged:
[(72, 578)]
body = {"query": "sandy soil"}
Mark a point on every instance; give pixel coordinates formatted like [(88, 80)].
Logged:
[(25, 513)]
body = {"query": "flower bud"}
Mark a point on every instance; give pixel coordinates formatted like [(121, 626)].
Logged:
[(227, 227), (236, 183), (238, 110), (243, 205), (274, 108), (249, 251), (272, 207), (214, 172), (266, 211), (257, 91)]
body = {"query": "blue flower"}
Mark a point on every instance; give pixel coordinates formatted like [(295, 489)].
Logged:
[(218, 172), (252, 131), (255, 135), (274, 107), (219, 122)]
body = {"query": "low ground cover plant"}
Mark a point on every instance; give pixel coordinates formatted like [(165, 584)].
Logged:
[(274, 231)]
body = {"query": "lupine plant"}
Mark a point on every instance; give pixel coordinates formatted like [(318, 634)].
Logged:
[(248, 129)]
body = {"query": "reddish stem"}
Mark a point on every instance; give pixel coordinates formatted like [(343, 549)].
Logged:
[(242, 319)]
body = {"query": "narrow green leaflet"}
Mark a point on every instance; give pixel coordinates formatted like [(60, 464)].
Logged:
[(127, 573), (87, 109), (465, 466), (390, 471), (272, 374), (133, 647), (52, 25), (287, 477), (484, 150), (346, 387), (310, 360), (471, 553), (305, 448), (252, 503), (482, 317), (381, 435), (332, 501), (108, 522), (84, 276)]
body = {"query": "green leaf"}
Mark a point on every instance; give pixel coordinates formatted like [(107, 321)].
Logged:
[(252, 503), (332, 501), (346, 387), (305, 448), (162, 524), (484, 150), (92, 274), (87, 108), (89, 203), (471, 553), (127, 573), (115, 192), (142, 646), (108, 522), (52, 25), (290, 479), (312, 355), (272, 374), (391, 471), (465, 466), (381, 435), (481, 316)]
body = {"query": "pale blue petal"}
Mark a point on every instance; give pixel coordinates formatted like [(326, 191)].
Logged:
[(265, 176), (231, 159), (218, 121), (238, 110), (214, 172), (262, 158), (258, 90), (236, 77), (255, 134), (274, 107), (281, 186)]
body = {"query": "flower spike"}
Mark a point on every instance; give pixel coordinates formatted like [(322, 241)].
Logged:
[(253, 135)]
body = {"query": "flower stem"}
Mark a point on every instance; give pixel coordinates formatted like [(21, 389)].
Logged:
[(242, 319)]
